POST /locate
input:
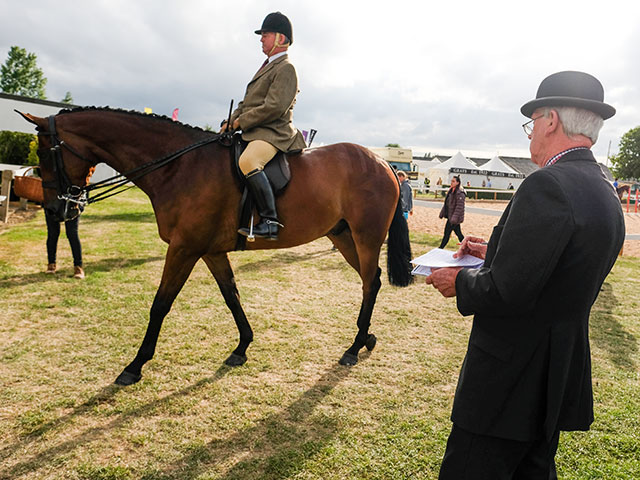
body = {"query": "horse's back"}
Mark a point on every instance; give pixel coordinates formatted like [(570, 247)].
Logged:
[(336, 182)]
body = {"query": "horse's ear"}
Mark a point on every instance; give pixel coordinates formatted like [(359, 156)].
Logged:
[(38, 121)]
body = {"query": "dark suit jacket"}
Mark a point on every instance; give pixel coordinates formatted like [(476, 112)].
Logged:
[(266, 112), (527, 370)]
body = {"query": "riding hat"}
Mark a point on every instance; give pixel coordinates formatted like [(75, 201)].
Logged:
[(278, 23), (570, 89)]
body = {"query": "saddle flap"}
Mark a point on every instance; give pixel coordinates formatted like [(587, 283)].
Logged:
[(277, 169)]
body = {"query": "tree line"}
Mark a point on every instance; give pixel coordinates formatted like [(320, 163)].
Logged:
[(20, 75)]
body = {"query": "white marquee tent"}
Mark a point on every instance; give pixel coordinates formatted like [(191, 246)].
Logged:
[(451, 167)]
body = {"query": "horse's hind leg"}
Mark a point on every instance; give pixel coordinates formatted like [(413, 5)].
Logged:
[(177, 267), (221, 269), (364, 258)]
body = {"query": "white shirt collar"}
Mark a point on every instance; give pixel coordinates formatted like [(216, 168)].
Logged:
[(277, 55)]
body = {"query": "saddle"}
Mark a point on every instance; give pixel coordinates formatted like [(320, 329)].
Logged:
[(277, 171)]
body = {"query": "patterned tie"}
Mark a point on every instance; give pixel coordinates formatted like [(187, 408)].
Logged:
[(263, 65)]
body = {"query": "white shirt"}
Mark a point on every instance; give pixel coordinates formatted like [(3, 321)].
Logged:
[(277, 55)]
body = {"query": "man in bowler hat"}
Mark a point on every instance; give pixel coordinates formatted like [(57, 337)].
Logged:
[(527, 371), (265, 117)]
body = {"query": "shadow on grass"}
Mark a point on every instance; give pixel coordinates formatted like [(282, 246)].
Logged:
[(148, 217), (286, 257), (93, 434), (608, 333), (277, 446), (103, 265)]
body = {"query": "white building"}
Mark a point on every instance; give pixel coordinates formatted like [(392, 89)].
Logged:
[(11, 121)]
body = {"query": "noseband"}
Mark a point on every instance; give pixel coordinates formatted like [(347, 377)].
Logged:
[(73, 196)]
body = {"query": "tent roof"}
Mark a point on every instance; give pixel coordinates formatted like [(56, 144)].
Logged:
[(457, 161), (497, 165)]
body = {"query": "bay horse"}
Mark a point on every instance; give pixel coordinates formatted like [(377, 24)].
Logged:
[(341, 191), (621, 189)]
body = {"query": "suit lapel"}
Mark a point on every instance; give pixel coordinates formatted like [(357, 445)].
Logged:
[(268, 67)]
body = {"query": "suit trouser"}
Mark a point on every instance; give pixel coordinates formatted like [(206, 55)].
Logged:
[(257, 154), (471, 456), (448, 228)]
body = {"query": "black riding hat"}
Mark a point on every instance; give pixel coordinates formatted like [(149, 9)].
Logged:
[(279, 23), (570, 89)]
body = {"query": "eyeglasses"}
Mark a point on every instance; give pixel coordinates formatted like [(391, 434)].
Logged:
[(528, 127)]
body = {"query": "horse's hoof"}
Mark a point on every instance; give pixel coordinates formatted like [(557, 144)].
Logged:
[(371, 342), (348, 359), (235, 360), (127, 378)]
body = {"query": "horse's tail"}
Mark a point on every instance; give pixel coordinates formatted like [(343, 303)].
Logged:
[(399, 250)]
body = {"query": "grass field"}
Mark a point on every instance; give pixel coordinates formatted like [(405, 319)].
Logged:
[(291, 412)]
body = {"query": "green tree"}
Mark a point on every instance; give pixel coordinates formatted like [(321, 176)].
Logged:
[(626, 164), (67, 98), (21, 76), (394, 145)]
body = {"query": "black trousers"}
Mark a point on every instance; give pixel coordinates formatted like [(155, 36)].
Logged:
[(53, 233), (470, 456), (448, 228)]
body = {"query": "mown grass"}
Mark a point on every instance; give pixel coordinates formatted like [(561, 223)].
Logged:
[(291, 411)]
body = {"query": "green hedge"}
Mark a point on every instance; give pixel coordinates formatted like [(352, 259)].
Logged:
[(14, 147)]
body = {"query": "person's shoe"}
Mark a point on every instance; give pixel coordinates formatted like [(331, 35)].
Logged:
[(51, 269), (78, 273)]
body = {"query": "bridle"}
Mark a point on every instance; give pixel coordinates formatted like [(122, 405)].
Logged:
[(77, 197)]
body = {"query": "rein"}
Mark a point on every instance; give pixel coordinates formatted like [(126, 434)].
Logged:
[(80, 195)]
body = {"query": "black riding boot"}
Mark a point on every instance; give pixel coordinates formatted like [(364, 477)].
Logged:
[(262, 194)]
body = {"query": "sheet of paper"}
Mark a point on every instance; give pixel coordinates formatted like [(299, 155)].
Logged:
[(440, 258)]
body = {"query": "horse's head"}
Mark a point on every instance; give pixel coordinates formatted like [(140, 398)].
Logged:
[(64, 171)]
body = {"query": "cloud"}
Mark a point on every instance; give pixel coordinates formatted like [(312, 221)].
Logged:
[(433, 76)]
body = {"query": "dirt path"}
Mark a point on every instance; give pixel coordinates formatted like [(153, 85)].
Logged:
[(425, 219)]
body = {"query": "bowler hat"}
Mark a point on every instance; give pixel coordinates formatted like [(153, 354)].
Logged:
[(279, 23), (570, 89)]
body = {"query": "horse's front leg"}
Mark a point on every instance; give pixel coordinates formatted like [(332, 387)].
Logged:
[(221, 269), (178, 266)]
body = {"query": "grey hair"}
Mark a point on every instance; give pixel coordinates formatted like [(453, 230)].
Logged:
[(578, 121)]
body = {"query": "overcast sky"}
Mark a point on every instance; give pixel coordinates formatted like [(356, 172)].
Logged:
[(436, 77)]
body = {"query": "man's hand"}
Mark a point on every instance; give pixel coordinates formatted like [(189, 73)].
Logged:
[(475, 246), (444, 279)]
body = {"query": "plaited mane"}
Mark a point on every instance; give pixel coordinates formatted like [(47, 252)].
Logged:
[(162, 118)]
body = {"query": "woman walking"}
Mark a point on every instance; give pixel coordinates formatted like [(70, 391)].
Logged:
[(453, 211)]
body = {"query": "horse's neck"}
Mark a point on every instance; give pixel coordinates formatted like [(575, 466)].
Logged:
[(132, 150)]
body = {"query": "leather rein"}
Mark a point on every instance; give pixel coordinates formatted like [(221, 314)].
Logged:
[(71, 193)]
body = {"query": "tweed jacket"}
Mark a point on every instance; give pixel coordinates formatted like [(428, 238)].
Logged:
[(266, 112), (527, 371)]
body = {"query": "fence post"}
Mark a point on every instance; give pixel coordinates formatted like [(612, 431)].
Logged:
[(628, 200), (5, 191)]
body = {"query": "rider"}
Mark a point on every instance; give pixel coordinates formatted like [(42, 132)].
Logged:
[(265, 118)]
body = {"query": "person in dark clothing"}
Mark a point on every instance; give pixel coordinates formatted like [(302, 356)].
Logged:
[(406, 195), (53, 233), (527, 372), (453, 211)]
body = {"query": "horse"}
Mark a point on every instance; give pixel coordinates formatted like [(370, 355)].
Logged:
[(341, 191), (621, 189)]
